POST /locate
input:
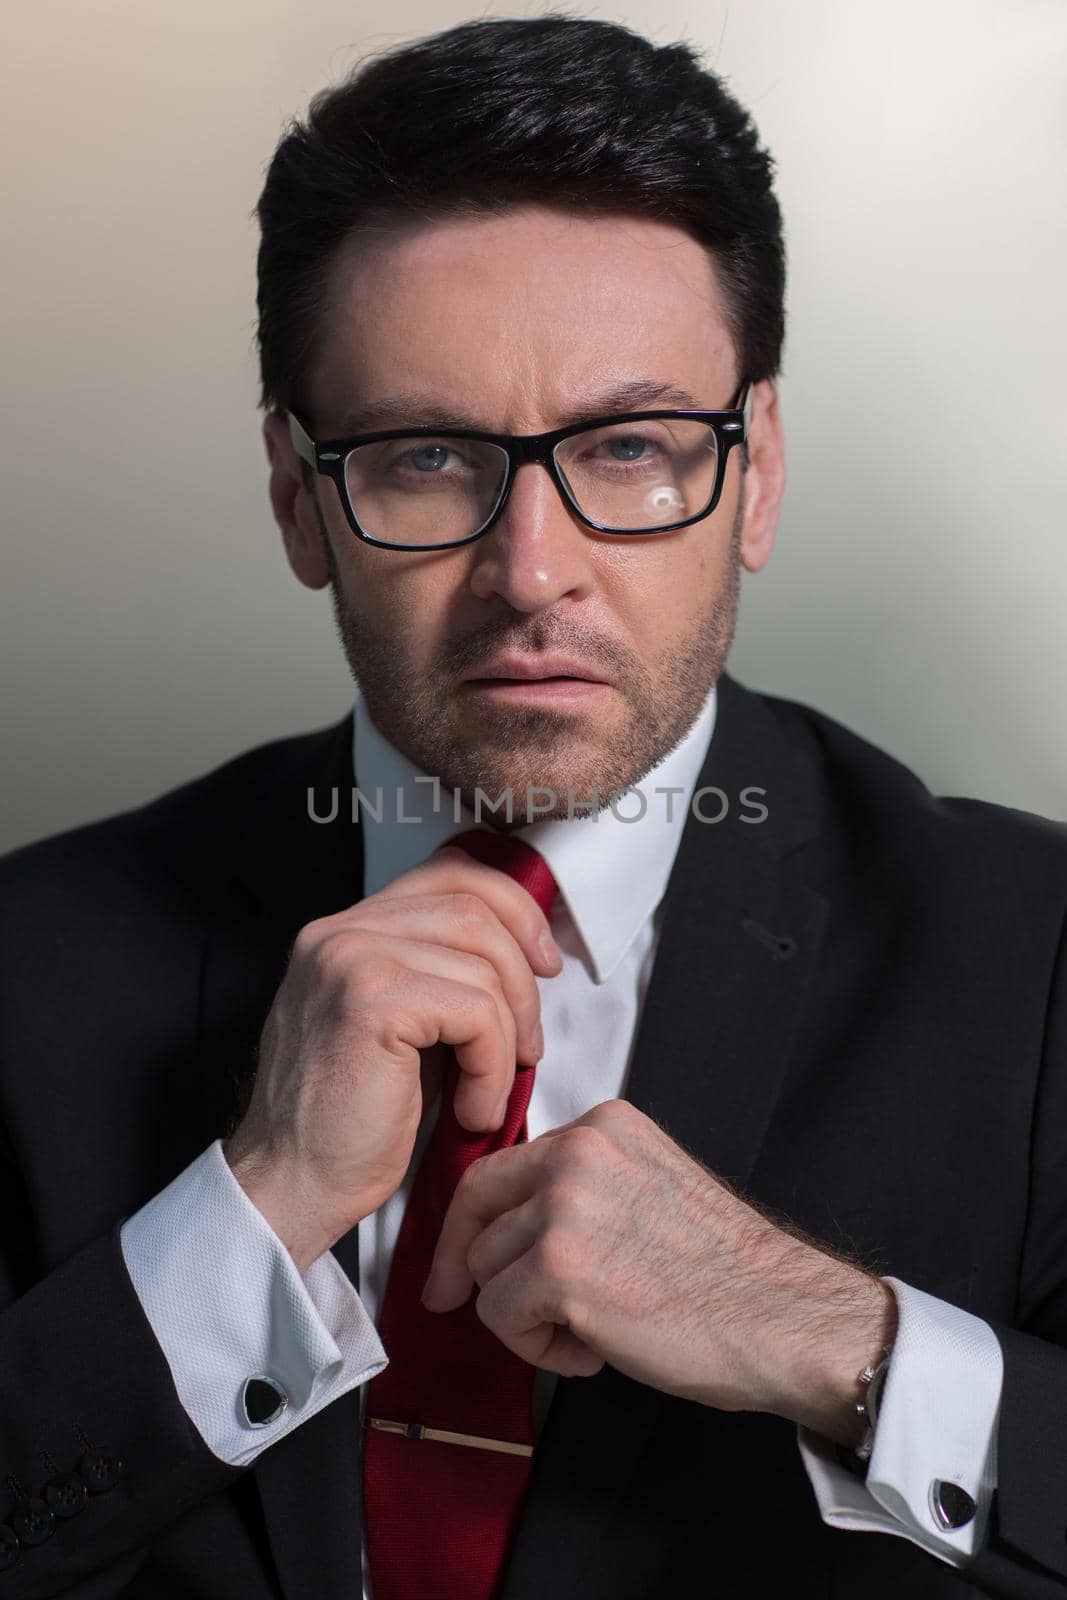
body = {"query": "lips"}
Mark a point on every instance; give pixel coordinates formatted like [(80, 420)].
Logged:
[(535, 669)]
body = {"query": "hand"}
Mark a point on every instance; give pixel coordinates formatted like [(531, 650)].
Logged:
[(603, 1240), (446, 954)]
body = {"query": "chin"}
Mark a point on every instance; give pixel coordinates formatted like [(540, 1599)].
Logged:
[(540, 790)]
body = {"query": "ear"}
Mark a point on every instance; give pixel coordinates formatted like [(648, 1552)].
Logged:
[(293, 506), (764, 481)]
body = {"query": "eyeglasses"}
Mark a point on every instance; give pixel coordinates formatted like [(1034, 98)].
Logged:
[(424, 489)]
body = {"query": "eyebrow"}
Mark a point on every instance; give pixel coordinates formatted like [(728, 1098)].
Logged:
[(415, 410)]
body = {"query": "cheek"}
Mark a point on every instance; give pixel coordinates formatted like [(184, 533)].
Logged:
[(402, 600), (660, 589)]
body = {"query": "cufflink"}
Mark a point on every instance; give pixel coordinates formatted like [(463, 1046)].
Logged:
[(263, 1400), (952, 1506)]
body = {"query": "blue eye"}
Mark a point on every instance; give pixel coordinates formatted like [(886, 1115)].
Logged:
[(626, 441), (427, 450)]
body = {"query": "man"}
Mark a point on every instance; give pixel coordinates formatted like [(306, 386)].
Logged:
[(708, 1070)]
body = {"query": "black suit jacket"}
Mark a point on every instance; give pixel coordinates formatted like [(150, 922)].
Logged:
[(858, 1014)]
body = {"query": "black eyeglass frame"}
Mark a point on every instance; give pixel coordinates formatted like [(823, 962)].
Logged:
[(328, 456)]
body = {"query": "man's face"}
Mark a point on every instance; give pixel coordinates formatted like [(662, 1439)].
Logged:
[(520, 321)]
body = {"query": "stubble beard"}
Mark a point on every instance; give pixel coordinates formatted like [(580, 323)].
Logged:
[(581, 759)]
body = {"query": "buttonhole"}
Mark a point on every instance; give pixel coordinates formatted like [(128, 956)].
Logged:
[(781, 945)]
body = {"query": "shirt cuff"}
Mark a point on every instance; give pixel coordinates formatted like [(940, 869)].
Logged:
[(226, 1303), (937, 1421)]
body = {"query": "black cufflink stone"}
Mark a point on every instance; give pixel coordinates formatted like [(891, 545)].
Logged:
[(263, 1399), (32, 1522), (952, 1506)]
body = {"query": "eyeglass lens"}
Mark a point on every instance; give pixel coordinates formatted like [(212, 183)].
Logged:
[(626, 476)]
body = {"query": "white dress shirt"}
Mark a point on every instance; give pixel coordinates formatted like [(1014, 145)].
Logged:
[(227, 1303)]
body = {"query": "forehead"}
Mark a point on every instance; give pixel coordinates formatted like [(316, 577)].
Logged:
[(524, 310)]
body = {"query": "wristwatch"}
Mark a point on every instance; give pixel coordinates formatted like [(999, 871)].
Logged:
[(856, 1460), (873, 1378)]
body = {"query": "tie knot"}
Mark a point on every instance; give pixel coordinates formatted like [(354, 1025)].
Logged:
[(513, 856)]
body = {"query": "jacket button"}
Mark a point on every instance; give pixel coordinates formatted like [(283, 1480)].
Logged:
[(100, 1470), (66, 1496), (33, 1522), (9, 1547)]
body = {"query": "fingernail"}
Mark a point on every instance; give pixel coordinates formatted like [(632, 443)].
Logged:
[(501, 1110), (538, 1041), (549, 949)]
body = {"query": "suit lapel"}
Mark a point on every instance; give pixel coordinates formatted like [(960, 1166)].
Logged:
[(741, 936), (738, 946)]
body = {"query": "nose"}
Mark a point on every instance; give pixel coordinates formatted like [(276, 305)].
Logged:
[(538, 551)]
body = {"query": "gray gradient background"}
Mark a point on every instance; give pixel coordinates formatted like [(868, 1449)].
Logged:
[(150, 627)]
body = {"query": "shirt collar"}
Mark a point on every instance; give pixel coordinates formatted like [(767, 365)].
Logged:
[(611, 873)]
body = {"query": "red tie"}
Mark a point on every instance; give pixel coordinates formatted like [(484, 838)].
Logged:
[(440, 1515)]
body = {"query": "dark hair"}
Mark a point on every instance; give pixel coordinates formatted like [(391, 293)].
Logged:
[(554, 109)]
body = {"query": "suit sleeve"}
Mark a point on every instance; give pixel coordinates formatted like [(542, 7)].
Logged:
[(228, 1305), (108, 1434), (1025, 1554), (97, 1454)]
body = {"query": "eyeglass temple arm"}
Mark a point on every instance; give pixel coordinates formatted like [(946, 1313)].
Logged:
[(303, 443), (743, 403)]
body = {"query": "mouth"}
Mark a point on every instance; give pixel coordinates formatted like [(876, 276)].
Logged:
[(536, 678)]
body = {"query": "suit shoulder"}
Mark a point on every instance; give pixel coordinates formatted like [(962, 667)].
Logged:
[(872, 793), (150, 854)]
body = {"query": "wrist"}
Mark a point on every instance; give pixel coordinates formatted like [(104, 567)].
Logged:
[(852, 1345), (282, 1202)]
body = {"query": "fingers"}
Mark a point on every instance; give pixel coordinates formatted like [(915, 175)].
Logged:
[(449, 952), (494, 1237), (463, 922), (487, 1189), (451, 870), (457, 999)]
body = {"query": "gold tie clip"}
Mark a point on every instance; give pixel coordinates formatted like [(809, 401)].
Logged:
[(419, 1430)]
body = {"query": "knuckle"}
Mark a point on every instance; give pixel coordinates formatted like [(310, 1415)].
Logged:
[(325, 957), (333, 954), (612, 1113), (486, 1003), (347, 959), (564, 1198), (486, 973), (473, 1177), (473, 1255), (308, 938), (582, 1146), (486, 1308), (557, 1256), (481, 1249), (466, 908), (377, 976)]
